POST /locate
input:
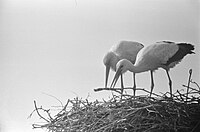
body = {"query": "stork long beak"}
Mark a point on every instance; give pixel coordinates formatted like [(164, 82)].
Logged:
[(116, 77), (107, 74)]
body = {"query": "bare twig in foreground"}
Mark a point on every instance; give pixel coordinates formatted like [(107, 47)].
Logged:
[(190, 73), (36, 108)]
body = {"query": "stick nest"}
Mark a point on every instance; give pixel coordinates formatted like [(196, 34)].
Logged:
[(126, 113)]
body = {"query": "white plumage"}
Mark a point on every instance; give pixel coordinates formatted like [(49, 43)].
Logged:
[(123, 50), (164, 54)]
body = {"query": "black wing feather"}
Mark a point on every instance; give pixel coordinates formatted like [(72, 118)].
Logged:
[(184, 49)]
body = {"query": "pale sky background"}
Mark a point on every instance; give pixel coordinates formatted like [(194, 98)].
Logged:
[(57, 46)]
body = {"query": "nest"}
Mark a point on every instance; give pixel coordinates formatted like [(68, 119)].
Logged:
[(125, 113)]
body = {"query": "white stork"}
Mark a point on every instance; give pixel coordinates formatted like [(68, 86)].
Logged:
[(123, 50), (164, 54)]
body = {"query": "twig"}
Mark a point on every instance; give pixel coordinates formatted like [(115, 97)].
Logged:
[(196, 128), (195, 84), (180, 96), (54, 98), (116, 90), (142, 89), (100, 89), (36, 108), (111, 89), (191, 88), (126, 112), (190, 73)]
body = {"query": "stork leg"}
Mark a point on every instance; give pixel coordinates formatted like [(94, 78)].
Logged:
[(152, 83), (170, 82), (134, 84), (122, 84)]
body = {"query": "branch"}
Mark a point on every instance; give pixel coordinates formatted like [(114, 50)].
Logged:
[(111, 89), (190, 74), (191, 88), (180, 95), (54, 98), (116, 90), (36, 108), (196, 84)]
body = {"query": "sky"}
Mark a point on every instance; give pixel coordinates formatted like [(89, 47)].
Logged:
[(56, 48)]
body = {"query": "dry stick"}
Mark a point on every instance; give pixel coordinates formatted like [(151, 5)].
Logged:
[(190, 73), (191, 88), (38, 126), (36, 108), (196, 84), (111, 89), (64, 108), (185, 94), (196, 128), (116, 90), (54, 98), (180, 96)]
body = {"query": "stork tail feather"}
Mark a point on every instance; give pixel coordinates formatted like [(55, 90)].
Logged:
[(184, 49)]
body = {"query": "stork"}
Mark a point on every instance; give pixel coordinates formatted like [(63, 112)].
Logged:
[(123, 50), (163, 54)]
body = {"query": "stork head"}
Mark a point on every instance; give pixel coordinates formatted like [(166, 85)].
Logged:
[(109, 60), (121, 67)]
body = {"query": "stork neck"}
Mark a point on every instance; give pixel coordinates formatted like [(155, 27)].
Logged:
[(135, 69)]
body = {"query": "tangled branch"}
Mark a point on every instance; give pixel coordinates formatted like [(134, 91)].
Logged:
[(126, 113)]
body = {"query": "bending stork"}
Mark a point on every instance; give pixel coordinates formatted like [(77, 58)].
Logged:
[(164, 54), (124, 50)]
